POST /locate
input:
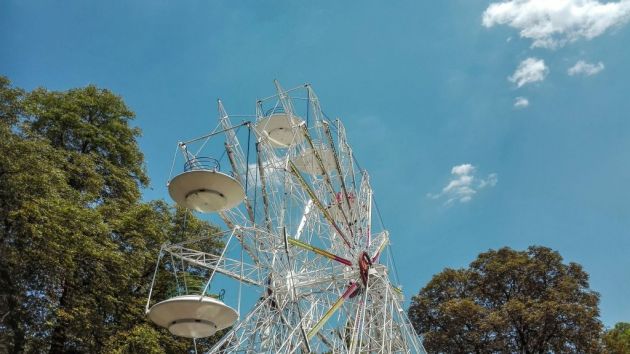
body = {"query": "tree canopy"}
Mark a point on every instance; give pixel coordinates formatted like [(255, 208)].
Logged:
[(77, 244), (509, 301), (617, 339)]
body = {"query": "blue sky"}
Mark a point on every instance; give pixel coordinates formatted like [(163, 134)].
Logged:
[(422, 87)]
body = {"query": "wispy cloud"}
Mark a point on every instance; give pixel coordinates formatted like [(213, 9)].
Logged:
[(554, 23), (521, 102), (272, 168), (585, 69), (528, 71), (464, 185)]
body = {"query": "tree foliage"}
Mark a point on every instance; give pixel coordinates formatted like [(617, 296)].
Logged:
[(77, 244), (617, 339), (509, 301)]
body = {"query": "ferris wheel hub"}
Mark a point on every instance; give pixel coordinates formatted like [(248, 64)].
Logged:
[(193, 316), (206, 191)]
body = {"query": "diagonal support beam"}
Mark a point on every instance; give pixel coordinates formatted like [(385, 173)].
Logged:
[(239, 236), (317, 202), (329, 184), (331, 143), (318, 326), (263, 186), (319, 251), (225, 266)]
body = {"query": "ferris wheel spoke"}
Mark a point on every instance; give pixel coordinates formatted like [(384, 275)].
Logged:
[(314, 281), (318, 326), (319, 251), (327, 179), (263, 187), (317, 202), (319, 160), (331, 143)]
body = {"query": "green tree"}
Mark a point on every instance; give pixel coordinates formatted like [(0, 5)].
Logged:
[(77, 245), (617, 339), (509, 301)]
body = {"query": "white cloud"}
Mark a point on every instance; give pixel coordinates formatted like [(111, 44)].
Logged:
[(528, 71), (554, 23), (490, 181), (586, 69), (464, 169), (463, 184), (521, 102)]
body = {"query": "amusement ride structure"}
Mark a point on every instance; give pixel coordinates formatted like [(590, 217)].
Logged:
[(299, 209)]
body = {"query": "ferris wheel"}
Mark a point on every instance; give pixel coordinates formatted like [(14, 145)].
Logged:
[(299, 209)]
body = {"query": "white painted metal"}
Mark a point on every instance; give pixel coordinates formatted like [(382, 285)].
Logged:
[(307, 161), (280, 129), (193, 316), (206, 191), (308, 239)]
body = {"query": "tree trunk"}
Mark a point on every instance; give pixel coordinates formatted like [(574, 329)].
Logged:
[(59, 336), (12, 316), (13, 322), (18, 335)]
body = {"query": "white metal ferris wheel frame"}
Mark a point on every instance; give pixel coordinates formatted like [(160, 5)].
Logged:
[(306, 228)]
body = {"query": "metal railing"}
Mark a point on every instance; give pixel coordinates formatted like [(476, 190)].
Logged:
[(192, 285), (274, 110), (202, 163)]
